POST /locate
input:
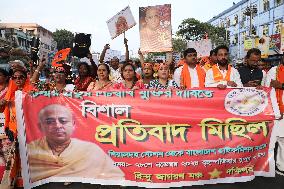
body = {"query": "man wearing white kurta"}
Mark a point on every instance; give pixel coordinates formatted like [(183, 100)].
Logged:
[(222, 75), (275, 79), (190, 74)]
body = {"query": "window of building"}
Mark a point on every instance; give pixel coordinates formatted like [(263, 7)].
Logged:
[(253, 31), (254, 11), (228, 24), (243, 36), (234, 39), (244, 16), (236, 36), (278, 2), (278, 25), (236, 20), (266, 5), (265, 30)]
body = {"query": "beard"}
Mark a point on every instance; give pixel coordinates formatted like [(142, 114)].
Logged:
[(223, 62)]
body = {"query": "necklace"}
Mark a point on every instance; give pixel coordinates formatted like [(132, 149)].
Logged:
[(164, 86)]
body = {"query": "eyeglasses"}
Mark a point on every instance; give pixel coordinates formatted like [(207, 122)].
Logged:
[(21, 77)]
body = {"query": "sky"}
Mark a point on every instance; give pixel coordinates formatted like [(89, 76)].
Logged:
[(90, 16)]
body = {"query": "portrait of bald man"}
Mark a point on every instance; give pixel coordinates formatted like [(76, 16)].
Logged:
[(56, 154)]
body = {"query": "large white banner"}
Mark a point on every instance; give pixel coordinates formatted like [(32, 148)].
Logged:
[(121, 22), (203, 47)]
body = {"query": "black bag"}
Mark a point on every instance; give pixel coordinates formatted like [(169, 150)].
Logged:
[(82, 45)]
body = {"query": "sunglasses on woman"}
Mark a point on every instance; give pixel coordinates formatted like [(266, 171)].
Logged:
[(20, 77)]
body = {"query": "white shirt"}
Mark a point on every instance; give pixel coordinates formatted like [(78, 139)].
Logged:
[(271, 75), (115, 75), (69, 87), (234, 76), (193, 76), (264, 75)]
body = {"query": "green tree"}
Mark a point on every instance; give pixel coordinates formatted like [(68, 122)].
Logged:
[(192, 29), (64, 38), (179, 45)]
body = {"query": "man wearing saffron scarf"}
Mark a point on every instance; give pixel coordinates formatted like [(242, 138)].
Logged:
[(190, 74), (222, 75), (275, 79), (212, 60), (56, 154)]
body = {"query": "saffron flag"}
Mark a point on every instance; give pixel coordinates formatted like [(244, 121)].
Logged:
[(59, 56)]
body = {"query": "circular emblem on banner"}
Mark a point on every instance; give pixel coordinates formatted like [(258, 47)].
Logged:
[(246, 101)]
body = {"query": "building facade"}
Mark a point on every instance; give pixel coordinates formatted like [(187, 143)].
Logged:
[(254, 18), (12, 37), (47, 44)]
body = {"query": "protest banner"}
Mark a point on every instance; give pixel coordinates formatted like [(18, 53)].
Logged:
[(275, 43), (248, 43), (121, 22), (202, 47), (145, 138), (155, 28)]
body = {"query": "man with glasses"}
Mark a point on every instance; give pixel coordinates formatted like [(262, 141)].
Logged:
[(56, 154), (251, 75)]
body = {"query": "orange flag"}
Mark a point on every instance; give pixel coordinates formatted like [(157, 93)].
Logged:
[(59, 56)]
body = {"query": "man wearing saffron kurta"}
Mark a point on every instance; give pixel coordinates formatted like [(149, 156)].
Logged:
[(190, 74), (59, 155), (222, 75), (275, 79)]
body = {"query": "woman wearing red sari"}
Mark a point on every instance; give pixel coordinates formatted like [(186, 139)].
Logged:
[(130, 80), (20, 81), (84, 79), (103, 82)]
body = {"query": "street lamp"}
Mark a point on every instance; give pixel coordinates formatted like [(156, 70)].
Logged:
[(250, 11)]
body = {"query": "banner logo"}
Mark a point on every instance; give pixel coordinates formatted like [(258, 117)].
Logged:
[(246, 102)]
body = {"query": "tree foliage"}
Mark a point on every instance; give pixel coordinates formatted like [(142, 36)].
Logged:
[(179, 45), (64, 38), (194, 30)]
